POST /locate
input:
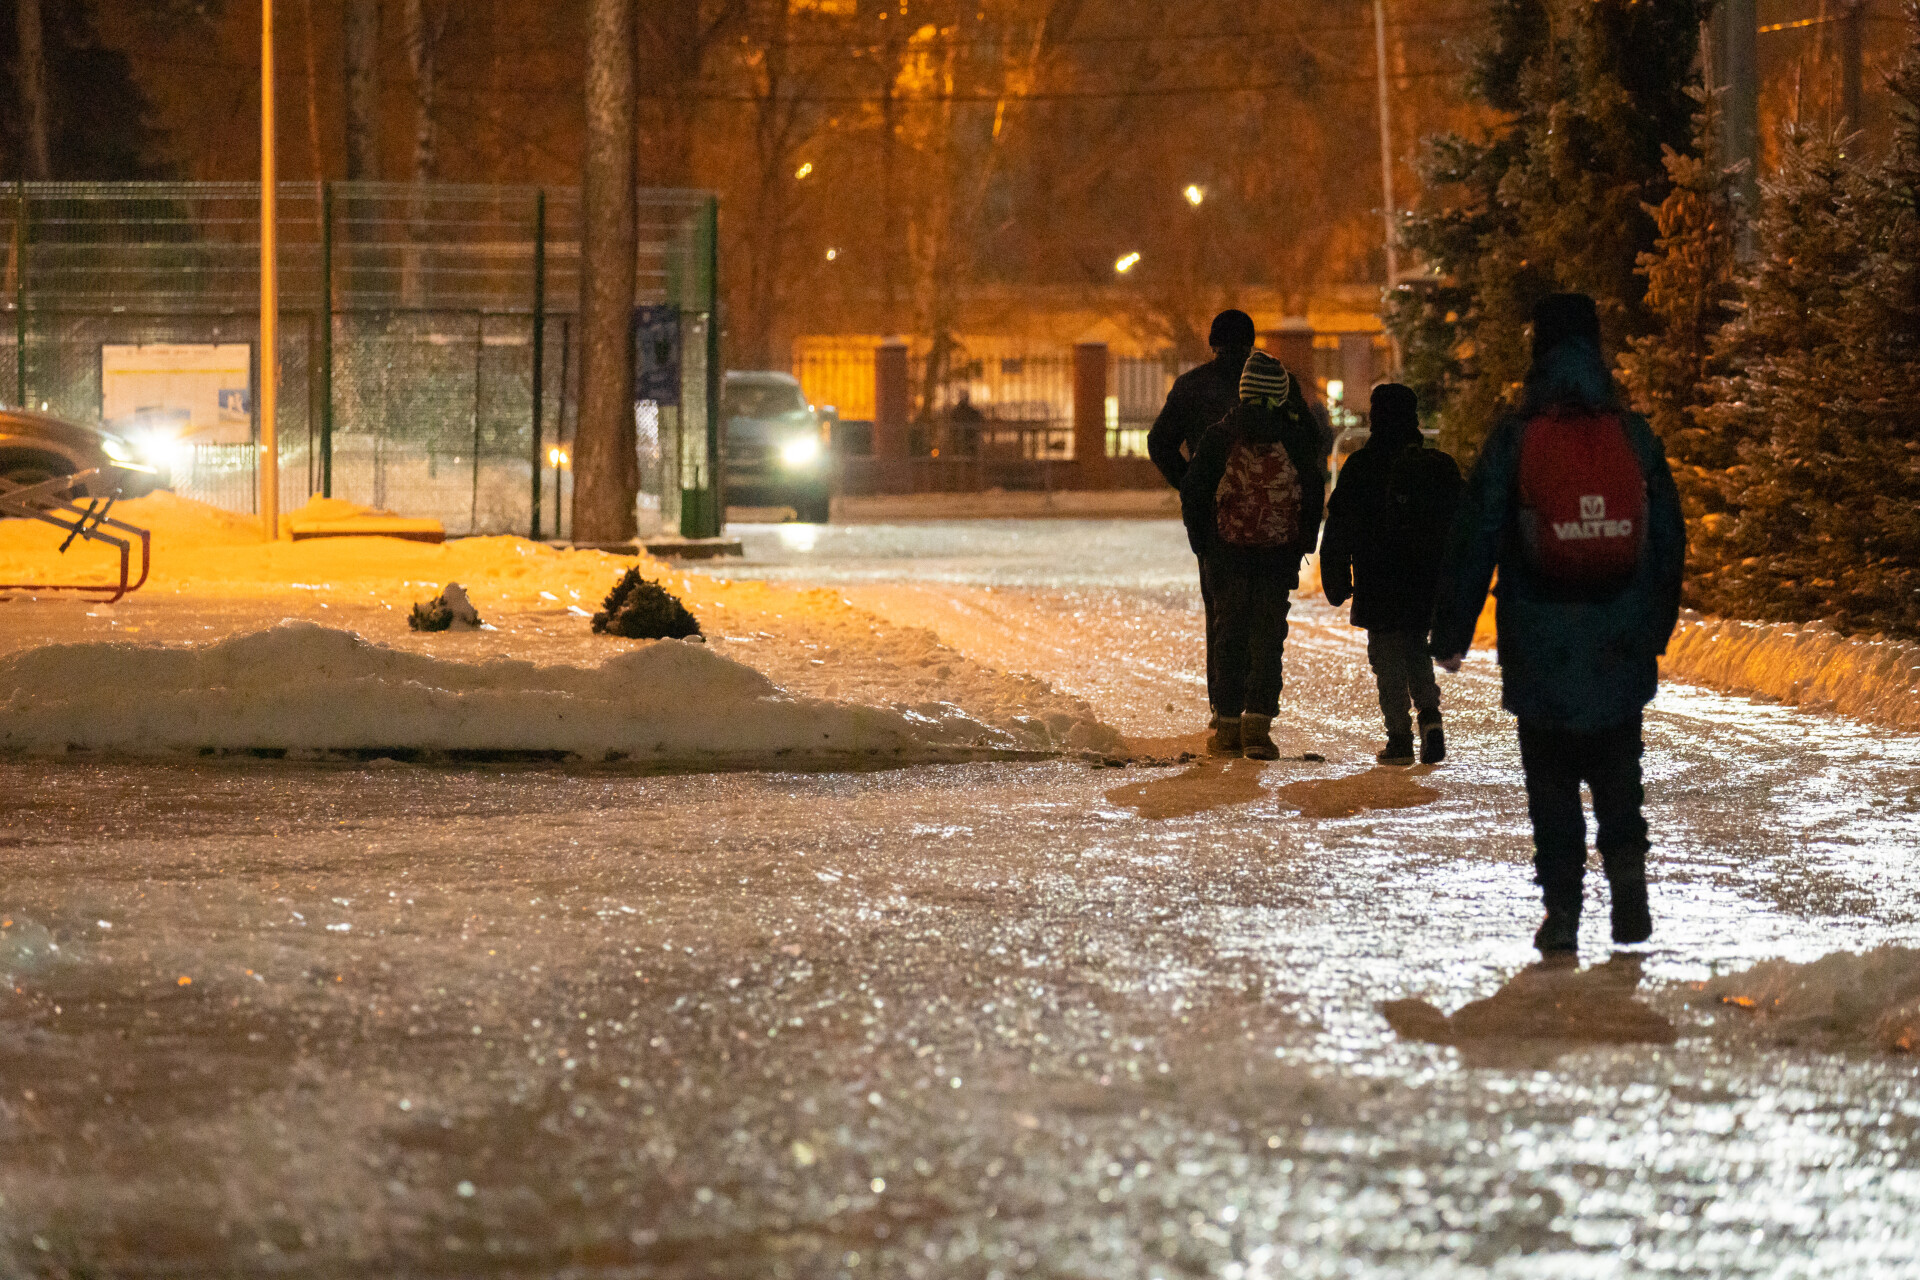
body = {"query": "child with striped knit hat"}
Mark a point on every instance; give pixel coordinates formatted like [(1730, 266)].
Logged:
[(1252, 501)]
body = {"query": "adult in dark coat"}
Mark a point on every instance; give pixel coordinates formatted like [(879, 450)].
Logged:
[(1577, 667), (1199, 398), (1387, 526), (1252, 585)]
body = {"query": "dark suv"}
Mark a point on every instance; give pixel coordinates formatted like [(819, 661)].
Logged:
[(38, 446), (772, 448)]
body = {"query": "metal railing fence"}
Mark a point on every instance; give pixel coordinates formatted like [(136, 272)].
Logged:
[(1022, 394), (428, 355)]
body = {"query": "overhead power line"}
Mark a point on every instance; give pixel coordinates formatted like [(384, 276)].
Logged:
[(1061, 95)]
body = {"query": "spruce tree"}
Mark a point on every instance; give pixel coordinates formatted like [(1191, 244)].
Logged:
[(1690, 293), (1590, 94), (1785, 406), (1459, 328), (1870, 572)]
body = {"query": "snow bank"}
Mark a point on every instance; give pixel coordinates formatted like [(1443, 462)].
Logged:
[(1842, 1001), (1808, 666), (312, 690)]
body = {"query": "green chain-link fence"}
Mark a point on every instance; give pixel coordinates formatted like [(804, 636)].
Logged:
[(429, 346)]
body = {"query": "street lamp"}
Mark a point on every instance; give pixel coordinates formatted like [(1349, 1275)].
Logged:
[(1195, 193), (1126, 262)]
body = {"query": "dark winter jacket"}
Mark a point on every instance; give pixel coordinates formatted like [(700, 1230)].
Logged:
[(1200, 397), (1292, 426), (1387, 527), (1574, 664)]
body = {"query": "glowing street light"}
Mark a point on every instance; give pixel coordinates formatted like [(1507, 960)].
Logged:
[(1126, 262), (1195, 193), (805, 169), (832, 254), (559, 460)]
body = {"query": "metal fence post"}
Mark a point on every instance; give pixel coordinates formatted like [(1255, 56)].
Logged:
[(479, 382), (20, 292), (539, 346), (324, 365), (717, 500)]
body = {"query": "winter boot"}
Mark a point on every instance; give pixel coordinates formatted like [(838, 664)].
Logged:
[(1256, 738), (1433, 739), (1399, 749), (1627, 886), (1560, 931), (1225, 739)]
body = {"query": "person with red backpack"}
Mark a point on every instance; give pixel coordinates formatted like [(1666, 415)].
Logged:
[(1251, 499), (1573, 502)]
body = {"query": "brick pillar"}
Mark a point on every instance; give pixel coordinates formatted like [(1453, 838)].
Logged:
[(892, 400), (1090, 413), (1356, 369), (1292, 346)]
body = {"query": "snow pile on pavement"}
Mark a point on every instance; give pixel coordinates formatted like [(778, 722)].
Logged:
[(308, 689), (1807, 666), (1844, 1000)]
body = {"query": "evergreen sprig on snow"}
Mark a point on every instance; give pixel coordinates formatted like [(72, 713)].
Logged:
[(643, 610)]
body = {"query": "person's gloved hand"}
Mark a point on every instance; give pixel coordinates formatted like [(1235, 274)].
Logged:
[(1336, 583)]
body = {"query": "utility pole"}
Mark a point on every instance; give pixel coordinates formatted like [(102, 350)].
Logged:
[(1386, 140), (1387, 207), (269, 292), (1850, 41), (1736, 71)]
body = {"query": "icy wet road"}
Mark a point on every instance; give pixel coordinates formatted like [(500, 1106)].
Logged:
[(1026, 1019)]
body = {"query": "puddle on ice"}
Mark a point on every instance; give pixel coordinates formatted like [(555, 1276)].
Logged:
[(1381, 788), (1213, 783)]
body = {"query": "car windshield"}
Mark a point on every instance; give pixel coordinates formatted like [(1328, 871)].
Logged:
[(764, 400)]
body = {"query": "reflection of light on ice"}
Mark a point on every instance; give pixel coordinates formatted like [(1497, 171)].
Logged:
[(799, 537)]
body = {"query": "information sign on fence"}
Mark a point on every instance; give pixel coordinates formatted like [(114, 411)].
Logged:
[(656, 341), (193, 392)]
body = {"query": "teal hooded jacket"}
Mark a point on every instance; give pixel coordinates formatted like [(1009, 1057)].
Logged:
[(1579, 665)]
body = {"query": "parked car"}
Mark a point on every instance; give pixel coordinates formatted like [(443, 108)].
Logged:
[(38, 446), (772, 448)]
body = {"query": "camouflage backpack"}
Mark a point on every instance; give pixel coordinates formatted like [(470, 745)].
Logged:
[(1258, 501)]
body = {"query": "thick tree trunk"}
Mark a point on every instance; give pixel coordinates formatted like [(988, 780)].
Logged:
[(362, 60), (313, 94), (606, 470), (33, 91), (424, 30)]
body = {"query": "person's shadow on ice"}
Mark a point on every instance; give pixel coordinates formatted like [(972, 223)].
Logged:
[(1545, 1010)]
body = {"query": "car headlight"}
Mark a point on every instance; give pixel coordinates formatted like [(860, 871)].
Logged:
[(801, 451)]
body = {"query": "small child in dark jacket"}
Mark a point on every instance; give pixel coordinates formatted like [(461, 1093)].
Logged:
[(1251, 500), (1387, 528)]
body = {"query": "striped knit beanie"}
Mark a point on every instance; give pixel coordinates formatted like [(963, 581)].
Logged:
[(1264, 378)]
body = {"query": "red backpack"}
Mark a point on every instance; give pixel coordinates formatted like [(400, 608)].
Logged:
[(1583, 498), (1257, 503)]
